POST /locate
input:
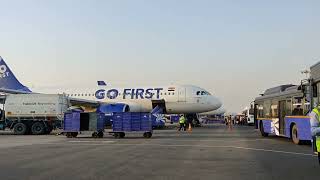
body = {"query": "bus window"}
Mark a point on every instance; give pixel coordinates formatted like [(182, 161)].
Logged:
[(289, 108), (274, 111), (259, 111), (297, 106), (307, 107), (266, 109)]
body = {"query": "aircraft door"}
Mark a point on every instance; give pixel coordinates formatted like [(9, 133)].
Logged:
[(182, 95)]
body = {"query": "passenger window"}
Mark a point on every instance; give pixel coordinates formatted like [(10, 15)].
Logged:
[(173, 94), (203, 93), (198, 93), (274, 111), (165, 94), (169, 94), (297, 106), (289, 108), (260, 111), (266, 109)]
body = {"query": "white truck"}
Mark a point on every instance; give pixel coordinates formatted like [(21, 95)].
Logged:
[(34, 113)]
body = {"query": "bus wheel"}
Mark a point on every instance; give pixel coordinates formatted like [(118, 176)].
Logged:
[(264, 134), (294, 135)]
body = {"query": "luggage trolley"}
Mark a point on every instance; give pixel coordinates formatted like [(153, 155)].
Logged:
[(75, 122), (127, 122)]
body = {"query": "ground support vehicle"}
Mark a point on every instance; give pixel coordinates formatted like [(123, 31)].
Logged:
[(33, 113)]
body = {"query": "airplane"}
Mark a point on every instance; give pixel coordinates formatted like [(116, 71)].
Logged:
[(172, 99), (219, 111)]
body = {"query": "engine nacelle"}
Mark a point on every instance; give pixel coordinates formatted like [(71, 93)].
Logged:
[(134, 107), (111, 108)]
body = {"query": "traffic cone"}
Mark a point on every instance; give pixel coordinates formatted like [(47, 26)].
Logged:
[(190, 128)]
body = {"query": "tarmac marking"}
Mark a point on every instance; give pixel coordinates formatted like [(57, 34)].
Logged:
[(85, 143), (91, 141), (190, 140)]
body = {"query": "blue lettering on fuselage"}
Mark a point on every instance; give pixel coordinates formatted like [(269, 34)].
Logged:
[(100, 94), (129, 93), (112, 94)]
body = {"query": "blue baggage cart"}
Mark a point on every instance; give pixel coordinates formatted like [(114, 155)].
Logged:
[(75, 122), (131, 122)]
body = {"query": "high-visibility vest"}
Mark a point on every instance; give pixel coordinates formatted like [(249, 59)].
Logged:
[(182, 120), (316, 110), (318, 143)]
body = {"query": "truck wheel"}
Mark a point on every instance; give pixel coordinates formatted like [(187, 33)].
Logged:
[(117, 135), (264, 134), (294, 135), (122, 135), (74, 134), (68, 135), (94, 134), (37, 128), (147, 135), (100, 134), (20, 129)]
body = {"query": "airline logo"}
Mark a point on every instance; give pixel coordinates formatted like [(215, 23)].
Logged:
[(129, 93), (159, 117), (3, 71)]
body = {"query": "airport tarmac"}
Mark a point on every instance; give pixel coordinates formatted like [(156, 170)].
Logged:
[(210, 152)]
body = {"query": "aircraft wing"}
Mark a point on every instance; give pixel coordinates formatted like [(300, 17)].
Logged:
[(83, 102), (12, 91)]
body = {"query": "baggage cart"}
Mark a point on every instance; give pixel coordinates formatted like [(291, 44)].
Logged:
[(123, 123), (75, 122)]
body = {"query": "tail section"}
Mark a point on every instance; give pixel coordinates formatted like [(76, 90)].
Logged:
[(8, 80)]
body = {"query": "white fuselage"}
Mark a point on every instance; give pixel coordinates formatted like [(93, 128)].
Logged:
[(176, 99)]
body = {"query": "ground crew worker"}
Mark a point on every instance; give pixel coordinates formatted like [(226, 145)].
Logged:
[(315, 129), (182, 122)]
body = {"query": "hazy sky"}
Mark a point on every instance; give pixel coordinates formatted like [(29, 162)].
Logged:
[(235, 49)]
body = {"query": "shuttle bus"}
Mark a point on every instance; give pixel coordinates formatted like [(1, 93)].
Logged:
[(283, 111)]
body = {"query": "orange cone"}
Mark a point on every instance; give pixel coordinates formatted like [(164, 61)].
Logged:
[(190, 128)]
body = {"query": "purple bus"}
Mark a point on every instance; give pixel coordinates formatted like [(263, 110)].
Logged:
[(282, 111)]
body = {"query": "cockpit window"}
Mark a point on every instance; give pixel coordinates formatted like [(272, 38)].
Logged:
[(203, 93)]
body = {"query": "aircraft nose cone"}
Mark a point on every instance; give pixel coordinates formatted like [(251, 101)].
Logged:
[(215, 103)]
